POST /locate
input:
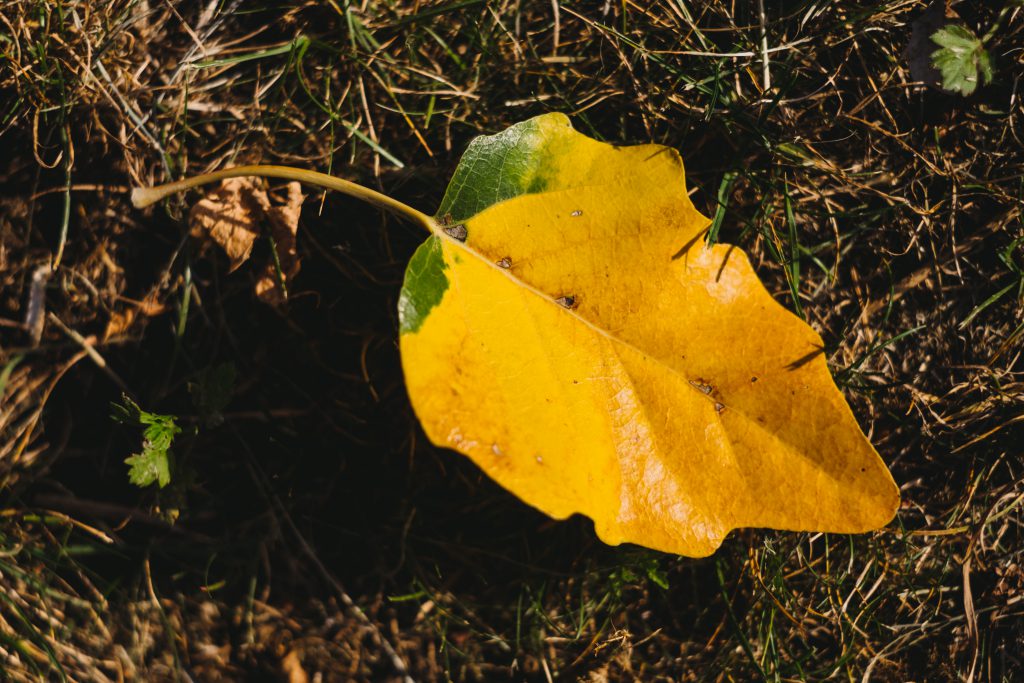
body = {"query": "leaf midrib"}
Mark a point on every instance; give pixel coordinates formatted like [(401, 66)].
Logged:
[(507, 272), (463, 246)]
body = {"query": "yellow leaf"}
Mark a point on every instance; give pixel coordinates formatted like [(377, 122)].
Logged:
[(567, 329)]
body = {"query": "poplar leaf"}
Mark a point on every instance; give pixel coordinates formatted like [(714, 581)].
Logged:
[(567, 328)]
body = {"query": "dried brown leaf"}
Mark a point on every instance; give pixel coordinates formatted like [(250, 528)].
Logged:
[(284, 226), (230, 217), (120, 321), (291, 666)]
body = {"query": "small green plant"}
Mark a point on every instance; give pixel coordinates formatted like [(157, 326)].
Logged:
[(155, 463), (962, 58)]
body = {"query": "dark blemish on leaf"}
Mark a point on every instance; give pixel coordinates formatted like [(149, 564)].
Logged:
[(575, 381), (566, 301), (447, 219), (753, 379), (702, 386), (457, 232), (863, 469), (505, 263), (719, 407), (577, 213)]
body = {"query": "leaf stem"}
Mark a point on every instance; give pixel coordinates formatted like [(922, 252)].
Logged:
[(145, 196), (997, 24)]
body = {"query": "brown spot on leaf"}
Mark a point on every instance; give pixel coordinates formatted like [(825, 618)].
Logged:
[(568, 301), (577, 213), (505, 263), (457, 232), (702, 386)]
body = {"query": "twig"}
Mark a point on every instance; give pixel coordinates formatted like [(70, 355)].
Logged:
[(122, 514), (34, 420), (35, 314), (103, 536), (766, 74), (81, 187), (90, 350), (557, 28)]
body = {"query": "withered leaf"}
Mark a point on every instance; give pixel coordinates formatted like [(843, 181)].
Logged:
[(230, 217), (284, 226), (120, 321)]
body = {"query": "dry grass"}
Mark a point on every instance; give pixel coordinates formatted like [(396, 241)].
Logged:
[(316, 501)]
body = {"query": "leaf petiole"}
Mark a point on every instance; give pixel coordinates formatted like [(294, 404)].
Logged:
[(145, 196)]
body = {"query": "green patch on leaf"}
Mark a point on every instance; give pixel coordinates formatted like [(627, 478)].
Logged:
[(495, 168), (961, 58), (156, 462), (424, 286)]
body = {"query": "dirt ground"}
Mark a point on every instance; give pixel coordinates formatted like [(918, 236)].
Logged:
[(310, 532)]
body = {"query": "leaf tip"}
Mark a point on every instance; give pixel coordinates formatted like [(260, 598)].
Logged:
[(883, 506), (894, 501)]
